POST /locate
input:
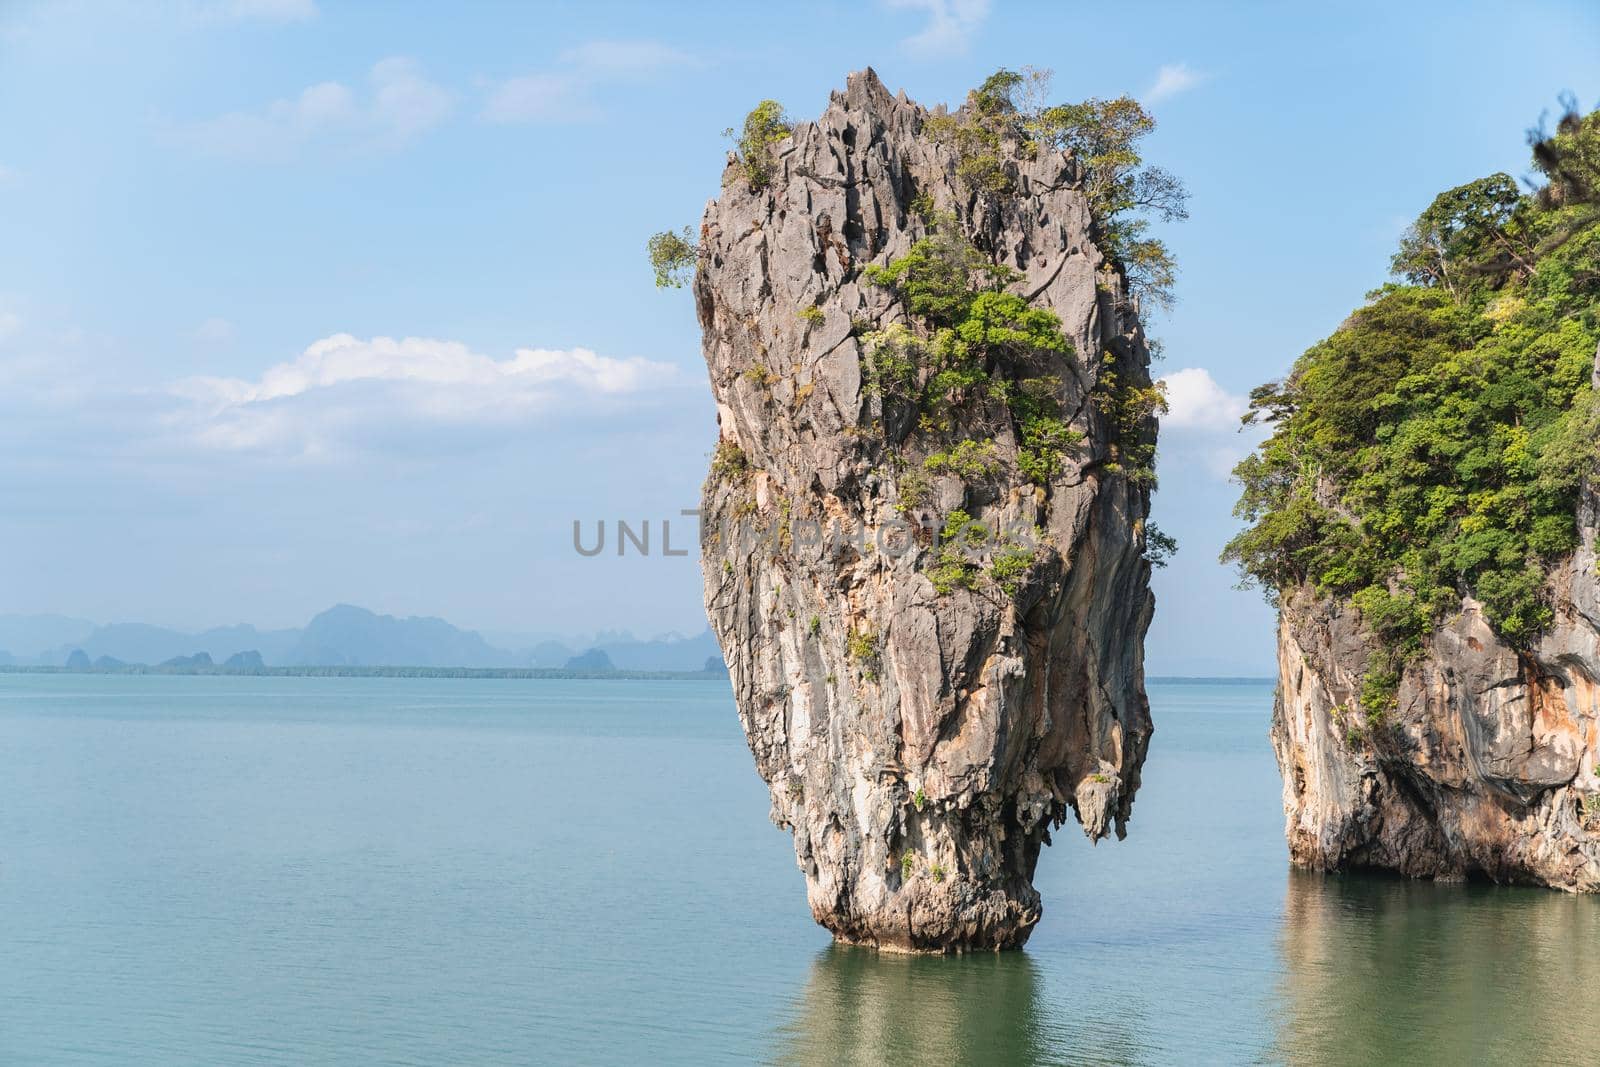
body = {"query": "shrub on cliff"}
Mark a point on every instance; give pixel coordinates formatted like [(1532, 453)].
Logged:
[(672, 257), (763, 128), (1006, 116), (970, 340), (1433, 446)]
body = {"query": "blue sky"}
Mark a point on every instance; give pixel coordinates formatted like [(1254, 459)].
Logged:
[(305, 302)]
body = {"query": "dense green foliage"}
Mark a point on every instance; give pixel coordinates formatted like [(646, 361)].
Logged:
[(970, 341), (1434, 446), (974, 353), (969, 460), (1005, 118), (672, 257), (1010, 565), (1127, 406), (968, 553), (764, 127), (863, 648), (955, 564), (1104, 136)]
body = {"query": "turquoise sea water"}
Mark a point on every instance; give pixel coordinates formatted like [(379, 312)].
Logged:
[(293, 870)]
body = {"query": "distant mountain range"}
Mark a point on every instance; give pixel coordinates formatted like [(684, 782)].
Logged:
[(342, 636)]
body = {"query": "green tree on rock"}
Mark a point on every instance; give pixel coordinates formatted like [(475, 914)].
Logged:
[(1433, 447)]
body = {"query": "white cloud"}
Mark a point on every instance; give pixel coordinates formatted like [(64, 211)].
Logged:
[(1196, 402), (344, 391), (10, 323), (404, 103), (400, 105), (1172, 79), (7, 174), (1201, 435), (567, 92), (951, 25)]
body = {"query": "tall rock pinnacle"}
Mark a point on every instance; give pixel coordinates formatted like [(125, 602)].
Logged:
[(924, 525)]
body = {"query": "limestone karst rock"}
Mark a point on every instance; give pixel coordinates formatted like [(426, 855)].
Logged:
[(1424, 512), (921, 738), (1491, 763)]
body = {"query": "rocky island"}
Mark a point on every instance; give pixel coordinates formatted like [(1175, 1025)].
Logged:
[(1424, 513), (925, 539)]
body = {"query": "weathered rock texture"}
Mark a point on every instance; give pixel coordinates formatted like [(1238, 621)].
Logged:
[(919, 746), (1487, 767)]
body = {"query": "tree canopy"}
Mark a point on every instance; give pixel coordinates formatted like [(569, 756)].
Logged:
[(764, 127), (1433, 447), (672, 257), (1007, 114)]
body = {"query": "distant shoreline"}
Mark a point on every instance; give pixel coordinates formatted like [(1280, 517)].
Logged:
[(546, 673), (525, 673)]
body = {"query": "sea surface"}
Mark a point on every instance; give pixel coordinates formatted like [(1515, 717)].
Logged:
[(229, 870)]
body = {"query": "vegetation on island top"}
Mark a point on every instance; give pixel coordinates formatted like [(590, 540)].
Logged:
[(672, 253), (763, 128), (1433, 447), (1006, 119)]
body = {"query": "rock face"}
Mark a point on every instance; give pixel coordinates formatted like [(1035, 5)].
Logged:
[(919, 744), (1489, 765)]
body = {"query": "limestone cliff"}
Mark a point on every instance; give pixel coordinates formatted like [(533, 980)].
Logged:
[(920, 738), (1488, 764)]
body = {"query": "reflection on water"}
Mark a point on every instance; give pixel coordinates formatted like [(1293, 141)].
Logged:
[(862, 1007), (1384, 970)]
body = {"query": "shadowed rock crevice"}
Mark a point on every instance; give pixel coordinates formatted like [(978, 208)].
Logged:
[(919, 742)]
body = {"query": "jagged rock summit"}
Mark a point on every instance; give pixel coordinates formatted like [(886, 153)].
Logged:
[(931, 593)]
